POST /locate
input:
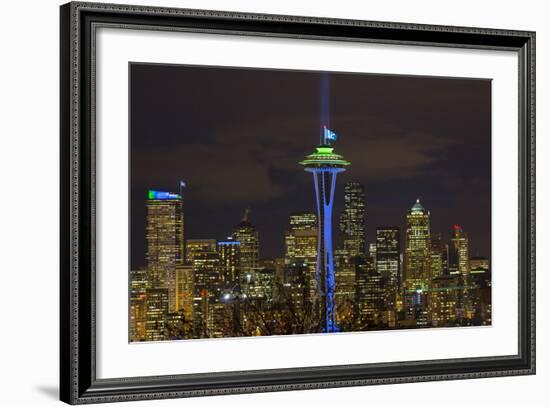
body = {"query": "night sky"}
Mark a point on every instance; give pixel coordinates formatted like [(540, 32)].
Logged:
[(236, 135)]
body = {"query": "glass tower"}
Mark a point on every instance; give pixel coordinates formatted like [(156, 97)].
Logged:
[(246, 234), (387, 254), (458, 252), (165, 241), (352, 220), (417, 247)]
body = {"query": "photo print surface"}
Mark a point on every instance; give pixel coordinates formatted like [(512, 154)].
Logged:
[(279, 202)]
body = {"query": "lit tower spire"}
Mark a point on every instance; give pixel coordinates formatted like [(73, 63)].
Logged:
[(324, 164)]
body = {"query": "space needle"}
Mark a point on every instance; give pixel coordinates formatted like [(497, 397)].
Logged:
[(325, 164)]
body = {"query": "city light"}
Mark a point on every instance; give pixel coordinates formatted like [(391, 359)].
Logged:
[(161, 195), (196, 288)]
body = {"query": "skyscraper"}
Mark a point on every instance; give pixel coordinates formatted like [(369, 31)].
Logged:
[(387, 254), (301, 245), (345, 289), (295, 292), (480, 278), (301, 238), (443, 300), (206, 289), (155, 314), (325, 164), (372, 251), (279, 277), (417, 254), (459, 266), (436, 255), (230, 256), (246, 234), (165, 241), (479, 265), (195, 246), (459, 259), (370, 297), (184, 290), (262, 287), (353, 219), (138, 295)]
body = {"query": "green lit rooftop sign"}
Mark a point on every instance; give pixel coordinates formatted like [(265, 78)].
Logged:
[(161, 196)]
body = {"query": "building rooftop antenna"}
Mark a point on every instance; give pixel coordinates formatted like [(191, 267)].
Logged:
[(246, 213), (182, 185)]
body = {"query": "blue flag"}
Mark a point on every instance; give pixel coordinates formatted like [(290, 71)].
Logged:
[(330, 135)]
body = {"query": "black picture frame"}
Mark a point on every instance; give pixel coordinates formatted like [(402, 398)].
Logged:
[(78, 382)]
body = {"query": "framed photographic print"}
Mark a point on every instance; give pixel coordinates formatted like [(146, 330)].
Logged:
[(256, 203)]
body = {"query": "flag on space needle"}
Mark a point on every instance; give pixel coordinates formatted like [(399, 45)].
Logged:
[(329, 134)]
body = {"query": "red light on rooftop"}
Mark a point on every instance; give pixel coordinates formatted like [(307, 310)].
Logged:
[(457, 227)]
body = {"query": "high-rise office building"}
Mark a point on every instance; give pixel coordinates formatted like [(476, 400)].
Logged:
[(301, 239), (443, 300), (301, 245), (325, 164), (388, 253), (480, 292), (302, 221), (176, 326), (207, 272), (230, 257), (246, 234), (139, 283), (263, 284), (279, 267), (165, 241), (218, 319), (479, 282), (155, 314), (417, 247), (194, 246), (185, 291), (345, 289), (353, 219), (370, 297), (372, 251), (295, 293), (387, 258), (459, 258), (479, 265), (436, 255)]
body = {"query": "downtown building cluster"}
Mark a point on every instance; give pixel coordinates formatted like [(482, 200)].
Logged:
[(209, 288)]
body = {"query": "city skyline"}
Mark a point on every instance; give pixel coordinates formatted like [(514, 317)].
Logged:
[(165, 125), (209, 288), (341, 236)]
